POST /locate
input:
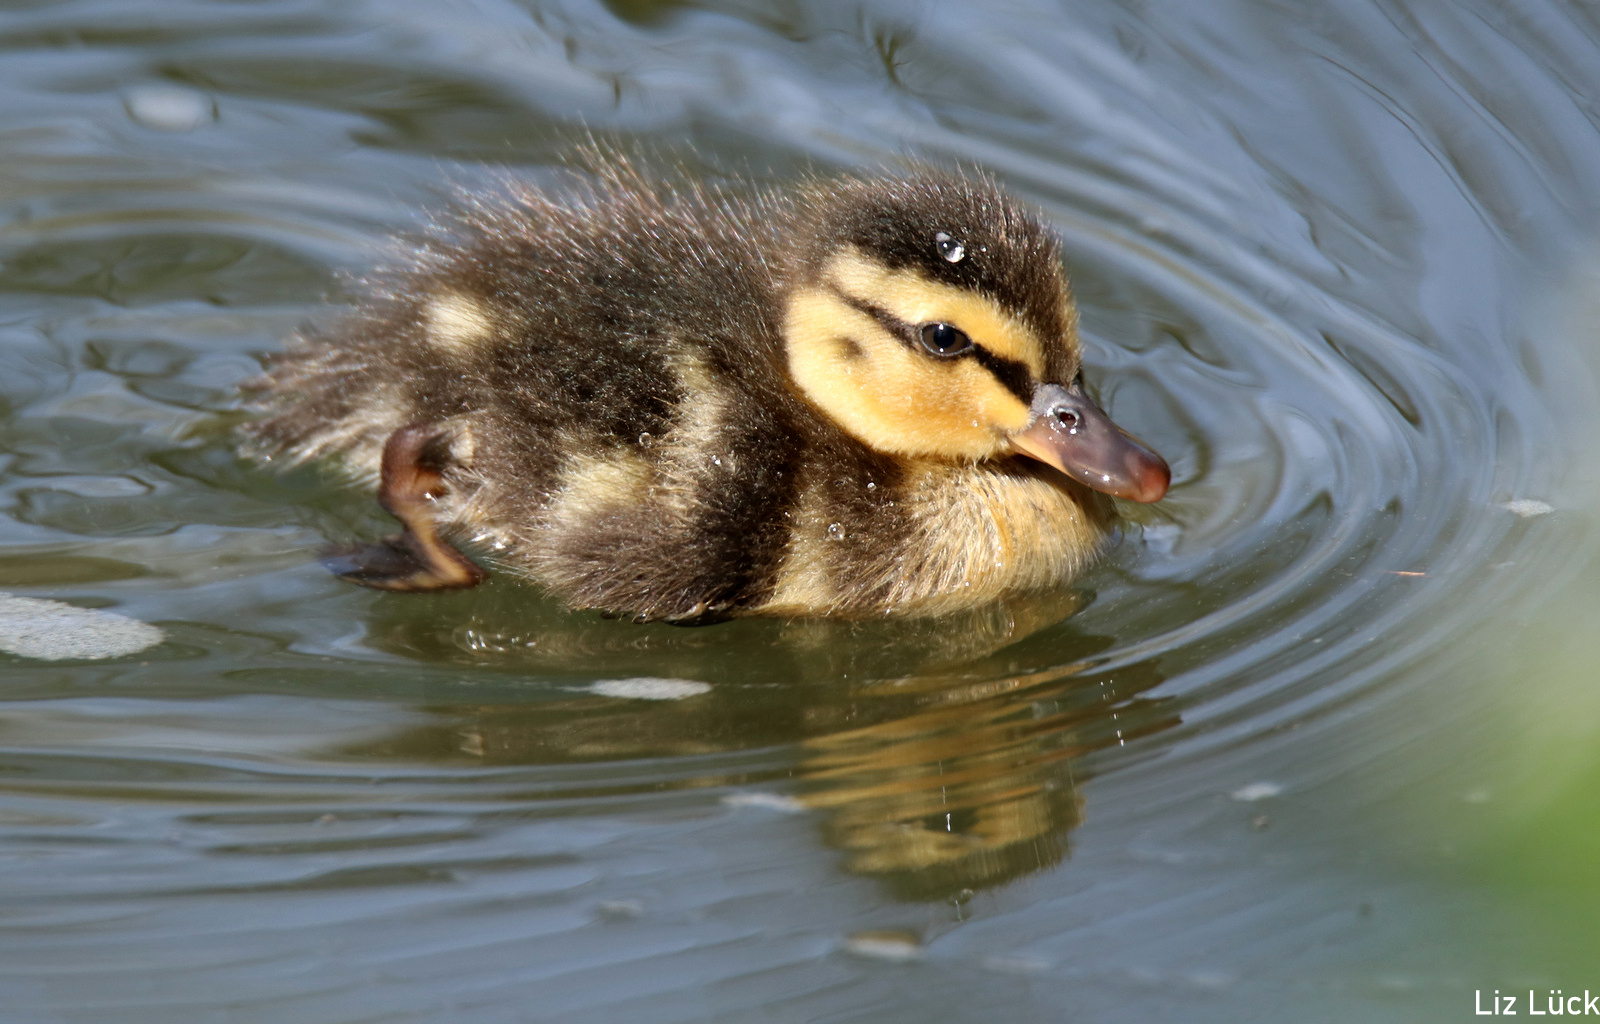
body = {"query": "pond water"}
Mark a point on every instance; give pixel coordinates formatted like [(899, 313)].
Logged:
[(1319, 743)]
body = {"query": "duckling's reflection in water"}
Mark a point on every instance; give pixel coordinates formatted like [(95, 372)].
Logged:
[(968, 784), (944, 754)]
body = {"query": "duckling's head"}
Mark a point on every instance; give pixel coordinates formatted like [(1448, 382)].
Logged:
[(930, 318)]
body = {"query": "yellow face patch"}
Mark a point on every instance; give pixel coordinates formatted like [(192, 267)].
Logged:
[(893, 396)]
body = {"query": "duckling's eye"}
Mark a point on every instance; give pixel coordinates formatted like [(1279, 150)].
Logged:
[(944, 340)]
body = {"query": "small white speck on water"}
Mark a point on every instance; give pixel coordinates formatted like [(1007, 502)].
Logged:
[(55, 631), (649, 688), (168, 108), (1005, 964), (950, 248), (1256, 791), (1528, 508), (619, 910), (1212, 981), (765, 801), (884, 945)]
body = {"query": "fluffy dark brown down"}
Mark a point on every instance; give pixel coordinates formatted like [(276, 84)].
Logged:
[(608, 368)]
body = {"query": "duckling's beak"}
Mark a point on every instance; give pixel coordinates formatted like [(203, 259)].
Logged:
[(1071, 433)]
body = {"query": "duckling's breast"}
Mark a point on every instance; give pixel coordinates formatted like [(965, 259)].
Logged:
[(942, 538)]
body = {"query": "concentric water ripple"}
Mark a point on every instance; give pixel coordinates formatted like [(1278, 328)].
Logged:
[(1315, 254)]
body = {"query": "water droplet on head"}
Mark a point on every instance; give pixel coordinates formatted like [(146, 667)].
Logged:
[(836, 531), (950, 248)]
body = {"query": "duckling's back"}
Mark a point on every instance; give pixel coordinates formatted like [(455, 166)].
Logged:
[(607, 374)]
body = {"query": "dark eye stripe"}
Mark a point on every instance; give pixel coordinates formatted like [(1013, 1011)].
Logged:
[(1012, 375), (891, 323)]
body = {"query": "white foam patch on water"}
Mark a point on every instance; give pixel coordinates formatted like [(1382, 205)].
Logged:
[(1256, 791), (1527, 508), (650, 688), (55, 631), (168, 108)]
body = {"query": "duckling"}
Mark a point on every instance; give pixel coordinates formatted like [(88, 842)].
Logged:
[(855, 397)]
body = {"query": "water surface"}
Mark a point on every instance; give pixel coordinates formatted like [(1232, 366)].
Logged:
[(1314, 743)]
